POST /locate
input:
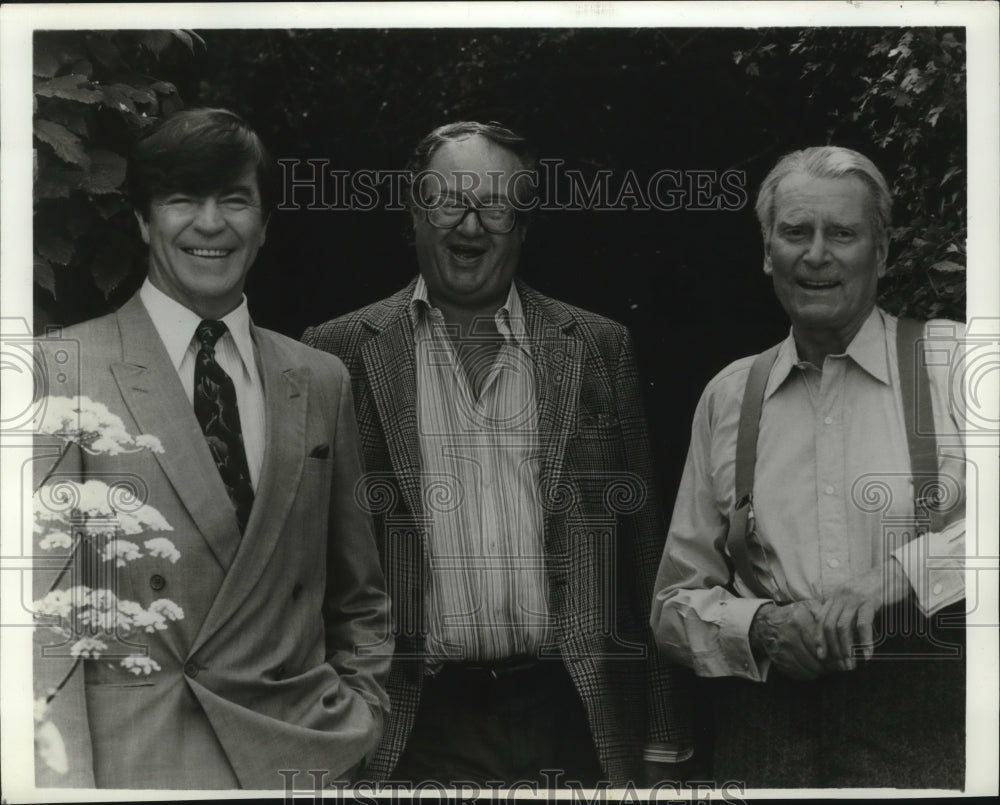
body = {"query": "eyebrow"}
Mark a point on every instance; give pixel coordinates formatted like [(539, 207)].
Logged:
[(795, 219), (239, 188), (452, 194)]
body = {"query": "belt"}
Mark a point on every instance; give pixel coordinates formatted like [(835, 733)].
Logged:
[(500, 668), (485, 672), (518, 683)]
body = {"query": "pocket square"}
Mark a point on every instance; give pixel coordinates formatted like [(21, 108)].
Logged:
[(320, 451)]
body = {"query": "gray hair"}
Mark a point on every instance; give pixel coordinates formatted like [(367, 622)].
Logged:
[(827, 162)]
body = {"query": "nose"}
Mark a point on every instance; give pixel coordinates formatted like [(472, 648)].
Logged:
[(816, 254), (209, 217), (470, 225)]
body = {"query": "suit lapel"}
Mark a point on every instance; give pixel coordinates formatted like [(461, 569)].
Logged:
[(286, 397), (390, 366), (150, 388), (558, 367)]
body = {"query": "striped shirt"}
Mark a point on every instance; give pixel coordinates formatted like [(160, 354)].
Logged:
[(235, 353), (480, 460)]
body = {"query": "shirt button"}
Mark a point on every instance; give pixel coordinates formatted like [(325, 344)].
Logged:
[(829, 490), (191, 669), (828, 420), (157, 582), (834, 563), (936, 589)]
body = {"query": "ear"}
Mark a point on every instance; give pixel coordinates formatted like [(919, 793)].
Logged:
[(882, 255), (143, 227), (768, 267)]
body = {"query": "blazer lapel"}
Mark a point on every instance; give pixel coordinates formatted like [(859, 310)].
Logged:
[(390, 366), (286, 397), (558, 364), (150, 388)]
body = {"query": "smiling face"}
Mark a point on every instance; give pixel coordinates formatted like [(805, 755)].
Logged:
[(825, 258), (201, 247), (466, 268)]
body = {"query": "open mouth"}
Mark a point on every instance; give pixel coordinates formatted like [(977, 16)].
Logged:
[(466, 254), (209, 254), (813, 285)]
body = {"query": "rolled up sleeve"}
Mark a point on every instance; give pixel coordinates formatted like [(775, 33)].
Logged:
[(695, 619)]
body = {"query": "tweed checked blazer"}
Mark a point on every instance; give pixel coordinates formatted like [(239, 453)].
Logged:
[(264, 672), (604, 529)]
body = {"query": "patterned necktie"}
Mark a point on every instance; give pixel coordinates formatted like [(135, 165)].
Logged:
[(219, 417)]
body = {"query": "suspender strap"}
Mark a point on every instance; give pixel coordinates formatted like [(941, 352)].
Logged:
[(915, 392), (746, 458), (915, 389)]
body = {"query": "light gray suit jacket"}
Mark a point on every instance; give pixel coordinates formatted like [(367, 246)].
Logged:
[(279, 660)]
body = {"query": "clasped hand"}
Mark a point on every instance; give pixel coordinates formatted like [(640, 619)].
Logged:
[(812, 637)]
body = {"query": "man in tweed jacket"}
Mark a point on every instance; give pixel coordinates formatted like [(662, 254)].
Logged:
[(521, 587)]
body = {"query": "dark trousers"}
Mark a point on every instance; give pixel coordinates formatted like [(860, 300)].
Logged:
[(897, 721), (477, 726)]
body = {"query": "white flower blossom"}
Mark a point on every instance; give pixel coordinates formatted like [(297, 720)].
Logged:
[(107, 621), (150, 621), (140, 665), (79, 595), (101, 599), (91, 425), (168, 609), (149, 442), (50, 747), (145, 518), (64, 510), (122, 551), (88, 648), (94, 498), (130, 609), (55, 602), (41, 709), (93, 501), (161, 546), (55, 539)]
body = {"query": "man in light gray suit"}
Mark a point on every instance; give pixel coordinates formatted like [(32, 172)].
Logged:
[(278, 662)]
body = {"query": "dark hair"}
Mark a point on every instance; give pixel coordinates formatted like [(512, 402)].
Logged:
[(197, 151), (497, 134)]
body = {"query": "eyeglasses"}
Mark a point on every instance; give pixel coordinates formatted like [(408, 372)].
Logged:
[(496, 218)]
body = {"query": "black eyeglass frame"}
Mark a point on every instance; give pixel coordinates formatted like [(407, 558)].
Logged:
[(474, 209)]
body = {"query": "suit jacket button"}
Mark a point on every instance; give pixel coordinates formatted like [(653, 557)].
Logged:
[(296, 591), (191, 669), (157, 582)]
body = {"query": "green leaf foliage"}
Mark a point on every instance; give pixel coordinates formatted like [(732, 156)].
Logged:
[(612, 100), (66, 145), (94, 92), (902, 91)]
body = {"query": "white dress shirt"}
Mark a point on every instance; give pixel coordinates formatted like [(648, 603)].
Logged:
[(833, 494), (480, 463), (235, 353)]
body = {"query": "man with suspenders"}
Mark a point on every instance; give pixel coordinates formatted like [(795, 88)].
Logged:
[(814, 559)]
